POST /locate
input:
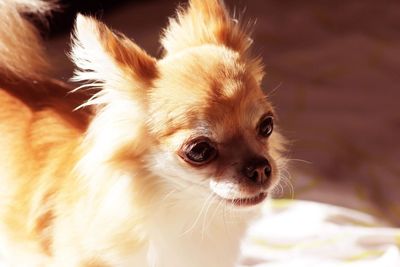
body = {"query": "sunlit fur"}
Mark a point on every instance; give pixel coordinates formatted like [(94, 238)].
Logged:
[(115, 192)]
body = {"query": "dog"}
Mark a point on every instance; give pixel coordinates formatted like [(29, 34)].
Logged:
[(150, 162)]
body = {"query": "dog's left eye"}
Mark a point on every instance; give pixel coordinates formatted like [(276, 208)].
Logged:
[(199, 152), (266, 126)]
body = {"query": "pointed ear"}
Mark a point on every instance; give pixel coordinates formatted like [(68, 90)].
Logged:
[(109, 61), (204, 22)]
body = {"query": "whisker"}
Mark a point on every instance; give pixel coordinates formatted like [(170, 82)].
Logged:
[(198, 216), (274, 90), (205, 216), (299, 160)]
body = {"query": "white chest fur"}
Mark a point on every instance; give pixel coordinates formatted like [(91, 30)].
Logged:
[(180, 239)]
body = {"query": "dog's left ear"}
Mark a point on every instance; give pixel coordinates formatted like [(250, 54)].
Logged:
[(110, 61), (205, 22)]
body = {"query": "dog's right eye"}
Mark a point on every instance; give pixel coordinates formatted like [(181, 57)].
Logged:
[(199, 151)]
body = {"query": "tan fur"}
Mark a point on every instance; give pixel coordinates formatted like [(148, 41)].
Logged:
[(205, 22), (111, 188), (21, 59)]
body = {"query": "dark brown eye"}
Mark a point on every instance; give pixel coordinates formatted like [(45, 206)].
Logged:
[(200, 151), (266, 126)]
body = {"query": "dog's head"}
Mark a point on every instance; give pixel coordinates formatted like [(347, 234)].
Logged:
[(196, 118)]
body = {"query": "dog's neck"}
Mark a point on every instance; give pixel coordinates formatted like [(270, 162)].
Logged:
[(209, 234)]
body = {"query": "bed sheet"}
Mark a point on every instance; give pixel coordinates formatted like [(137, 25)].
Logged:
[(293, 233)]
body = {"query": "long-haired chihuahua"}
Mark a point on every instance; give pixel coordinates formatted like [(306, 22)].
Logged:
[(163, 165)]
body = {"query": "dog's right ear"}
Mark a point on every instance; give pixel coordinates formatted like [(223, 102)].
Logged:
[(109, 61)]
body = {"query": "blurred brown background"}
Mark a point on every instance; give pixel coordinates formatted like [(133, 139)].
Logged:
[(333, 72)]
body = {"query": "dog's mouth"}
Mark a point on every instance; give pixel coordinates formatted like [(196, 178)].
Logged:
[(231, 194), (247, 202)]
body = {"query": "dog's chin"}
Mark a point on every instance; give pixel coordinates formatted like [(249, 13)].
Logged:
[(246, 202), (224, 191)]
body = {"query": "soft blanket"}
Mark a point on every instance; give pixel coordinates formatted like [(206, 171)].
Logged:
[(307, 234)]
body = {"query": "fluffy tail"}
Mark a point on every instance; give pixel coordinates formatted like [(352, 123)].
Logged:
[(21, 50)]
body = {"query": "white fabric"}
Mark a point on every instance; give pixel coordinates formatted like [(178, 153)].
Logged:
[(308, 234)]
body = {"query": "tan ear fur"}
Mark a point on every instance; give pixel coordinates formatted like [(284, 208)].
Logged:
[(110, 61), (204, 22)]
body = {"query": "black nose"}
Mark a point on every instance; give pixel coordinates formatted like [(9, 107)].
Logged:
[(257, 169)]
